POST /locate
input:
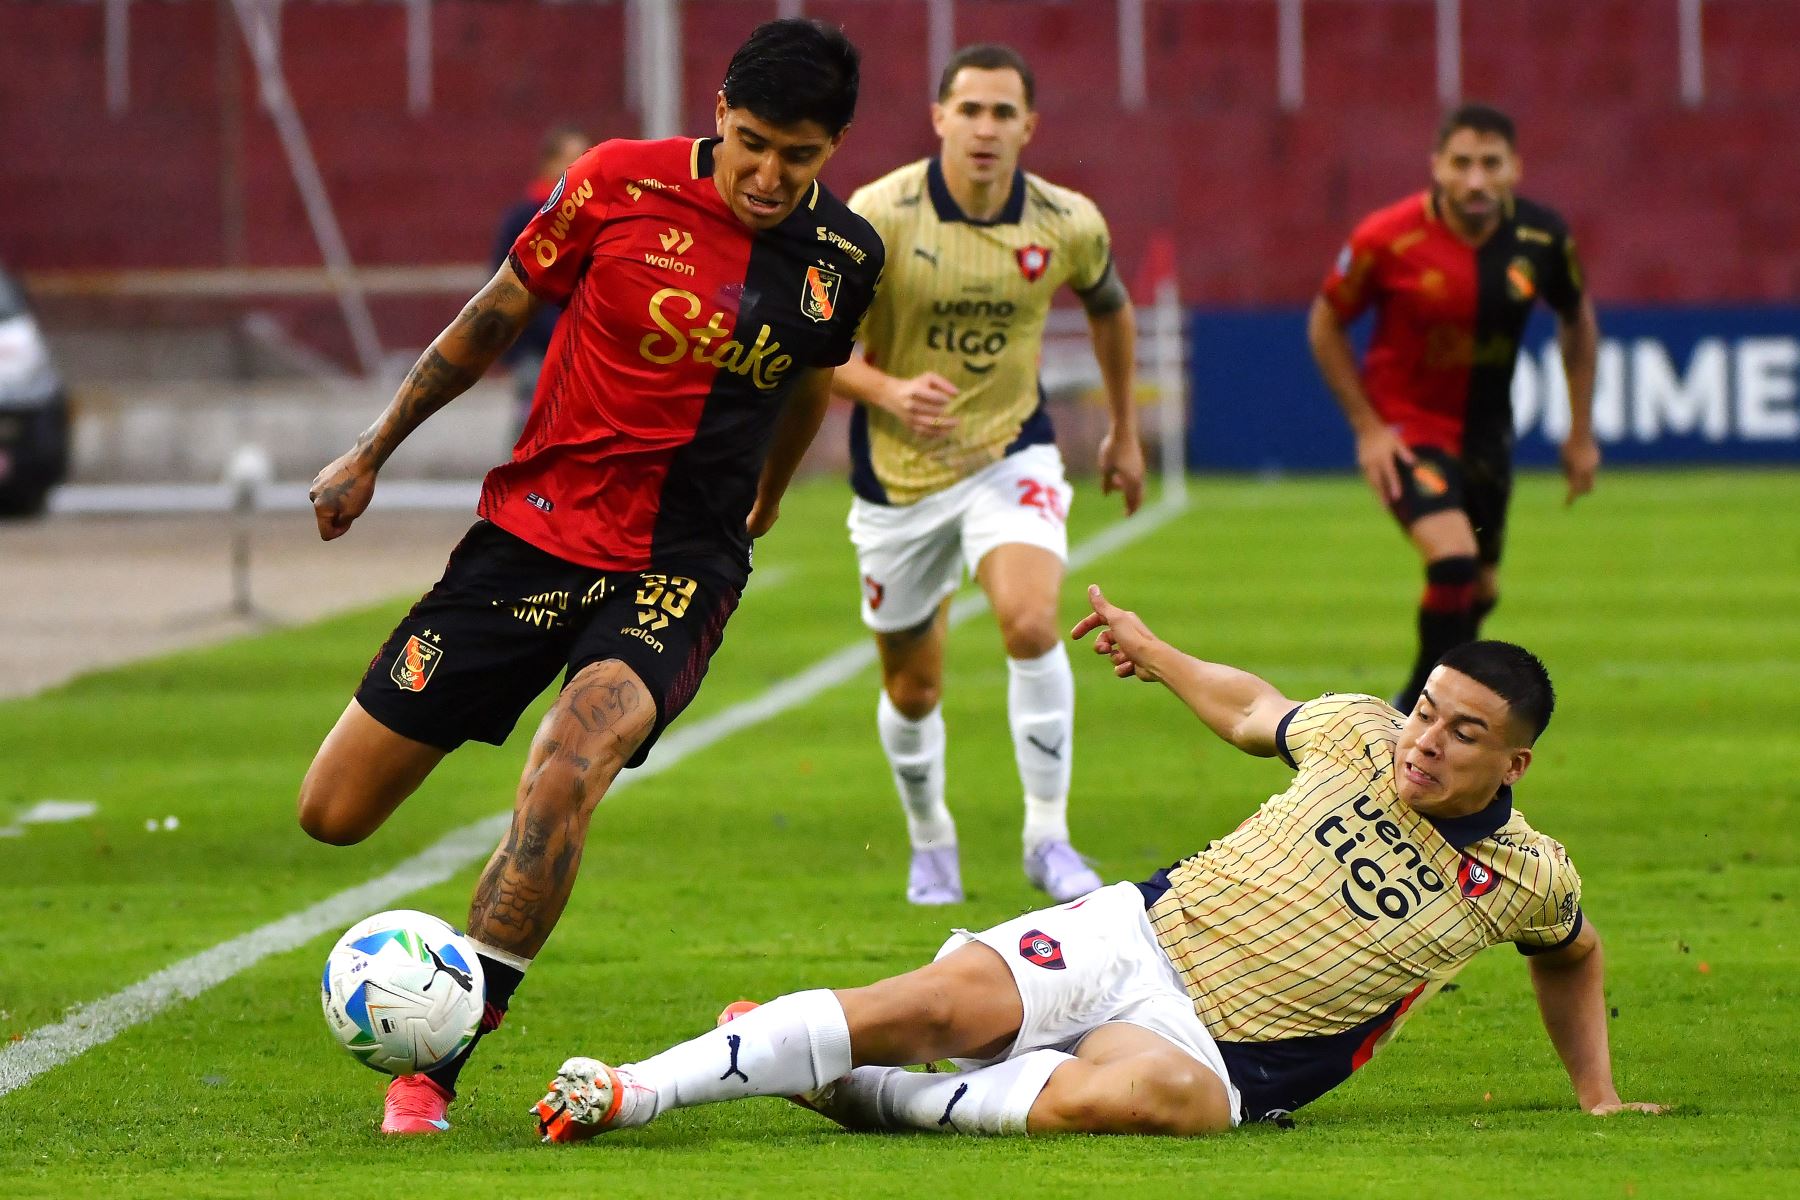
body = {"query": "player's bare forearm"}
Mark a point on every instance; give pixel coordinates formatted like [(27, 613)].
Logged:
[(1578, 339), (487, 325), (1242, 708), (861, 380), (1114, 331), (1571, 993), (1331, 349), (796, 426), (459, 356), (1115, 348)]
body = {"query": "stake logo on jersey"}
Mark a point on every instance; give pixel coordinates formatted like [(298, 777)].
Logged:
[(714, 343), (418, 659), (818, 300), (1041, 950)]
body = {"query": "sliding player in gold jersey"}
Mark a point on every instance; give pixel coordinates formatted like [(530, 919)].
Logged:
[(954, 462), (1238, 984)]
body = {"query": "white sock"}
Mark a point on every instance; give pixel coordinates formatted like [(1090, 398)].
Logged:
[(993, 1100), (915, 753), (794, 1043), (1040, 707)]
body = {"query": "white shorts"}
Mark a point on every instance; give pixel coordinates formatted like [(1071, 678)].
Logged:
[(912, 556), (1089, 963)]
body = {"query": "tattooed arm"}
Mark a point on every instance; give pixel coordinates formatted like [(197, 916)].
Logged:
[(486, 326)]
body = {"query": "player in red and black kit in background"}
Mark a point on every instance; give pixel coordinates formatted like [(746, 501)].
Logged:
[(709, 287), (525, 357), (1452, 274)]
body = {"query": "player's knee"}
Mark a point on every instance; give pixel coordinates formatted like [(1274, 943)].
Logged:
[(914, 695), (1029, 634), (328, 819), (1166, 1098)]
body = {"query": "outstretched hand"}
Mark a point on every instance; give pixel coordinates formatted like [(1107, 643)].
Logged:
[(1123, 637)]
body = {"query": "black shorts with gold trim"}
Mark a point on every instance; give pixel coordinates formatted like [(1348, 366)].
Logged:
[(1478, 485), (480, 646)]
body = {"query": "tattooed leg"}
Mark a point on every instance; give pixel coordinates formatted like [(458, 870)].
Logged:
[(598, 722)]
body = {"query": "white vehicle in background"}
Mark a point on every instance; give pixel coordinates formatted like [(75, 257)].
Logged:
[(34, 409)]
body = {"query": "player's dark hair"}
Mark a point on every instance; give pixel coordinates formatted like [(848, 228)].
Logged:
[(988, 56), (1482, 118), (1514, 674), (794, 69)]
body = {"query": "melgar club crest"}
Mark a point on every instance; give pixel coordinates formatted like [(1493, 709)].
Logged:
[(819, 294)]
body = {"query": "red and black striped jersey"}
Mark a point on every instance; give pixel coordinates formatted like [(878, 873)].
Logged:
[(1449, 315), (682, 333)]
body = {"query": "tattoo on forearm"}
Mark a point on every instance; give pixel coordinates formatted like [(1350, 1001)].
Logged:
[(486, 326)]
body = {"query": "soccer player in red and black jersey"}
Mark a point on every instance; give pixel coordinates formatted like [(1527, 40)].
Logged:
[(709, 287), (1452, 273)]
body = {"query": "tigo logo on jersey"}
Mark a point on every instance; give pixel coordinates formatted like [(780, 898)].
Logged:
[(1033, 261), (818, 298), (1041, 950), (1473, 879), (412, 670)]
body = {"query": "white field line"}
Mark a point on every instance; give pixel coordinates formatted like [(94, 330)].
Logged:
[(100, 1021)]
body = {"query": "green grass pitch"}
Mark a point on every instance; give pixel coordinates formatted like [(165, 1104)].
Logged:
[(1668, 608)]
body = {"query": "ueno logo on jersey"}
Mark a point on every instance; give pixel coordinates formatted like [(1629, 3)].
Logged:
[(543, 248), (1473, 879), (712, 343)]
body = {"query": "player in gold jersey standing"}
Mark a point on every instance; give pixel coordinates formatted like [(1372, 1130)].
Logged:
[(954, 461)]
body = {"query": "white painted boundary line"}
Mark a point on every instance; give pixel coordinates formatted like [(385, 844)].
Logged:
[(100, 1021)]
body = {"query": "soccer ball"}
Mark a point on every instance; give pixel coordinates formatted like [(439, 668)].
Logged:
[(403, 992)]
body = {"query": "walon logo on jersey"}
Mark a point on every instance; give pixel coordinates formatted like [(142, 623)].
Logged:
[(677, 242), (1473, 879), (1033, 262), (713, 343), (1041, 950), (818, 297), (412, 670)]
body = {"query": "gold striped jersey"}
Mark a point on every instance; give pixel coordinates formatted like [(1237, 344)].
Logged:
[(1307, 934), (966, 299)]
